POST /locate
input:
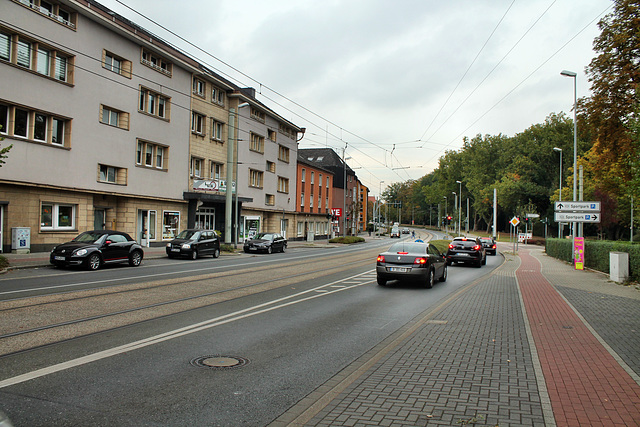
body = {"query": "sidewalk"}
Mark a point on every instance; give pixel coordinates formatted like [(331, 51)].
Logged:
[(535, 343)]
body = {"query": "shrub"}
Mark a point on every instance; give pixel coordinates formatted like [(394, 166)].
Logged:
[(596, 254), (225, 247), (4, 263), (347, 239)]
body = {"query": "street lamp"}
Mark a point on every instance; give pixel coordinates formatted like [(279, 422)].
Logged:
[(460, 209), (379, 205), (344, 193), (575, 139), (559, 150), (455, 206), (445, 213)]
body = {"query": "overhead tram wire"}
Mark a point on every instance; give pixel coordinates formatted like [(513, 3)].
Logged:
[(467, 71), (523, 80), (245, 75)]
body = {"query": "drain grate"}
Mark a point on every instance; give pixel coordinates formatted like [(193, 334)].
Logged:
[(219, 362)]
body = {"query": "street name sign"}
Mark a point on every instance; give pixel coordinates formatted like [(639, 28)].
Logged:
[(568, 206), (577, 217)]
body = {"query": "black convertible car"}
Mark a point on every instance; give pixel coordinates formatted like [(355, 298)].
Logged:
[(92, 249)]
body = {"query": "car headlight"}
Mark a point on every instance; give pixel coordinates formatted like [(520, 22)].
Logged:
[(186, 246), (168, 245), (80, 252)]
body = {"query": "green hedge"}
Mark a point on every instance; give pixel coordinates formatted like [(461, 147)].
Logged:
[(596, 254)]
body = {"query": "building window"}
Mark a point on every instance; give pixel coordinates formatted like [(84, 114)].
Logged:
[(60, 69), (269, 199), (54, 216), (326, 203), (255, 178), (51, 10), (112, 117), (43, 61), (302, 199), (151, 155), (4, 118), (327, 182), (257, 143), (5, 47), (21, 123), (271, 134), (197, 123), (196, 167), (303, 175), (311, 203), (40, 127), (24, 54), (57, 134), (283, 185), (271, 167), (153, 103), (116, 64), (283, 153), (287, 131), (156, 62), (217, 96), (312, 176), (217, 129), (217, 170), (257, 115), (107, 174), (198, 87)]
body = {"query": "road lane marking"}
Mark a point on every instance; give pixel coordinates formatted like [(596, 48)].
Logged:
[(197, 327)]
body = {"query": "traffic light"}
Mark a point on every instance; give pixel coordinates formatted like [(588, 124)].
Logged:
[(448, 219)]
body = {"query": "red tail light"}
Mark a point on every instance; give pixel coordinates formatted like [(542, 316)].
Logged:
[(493, 247), (380, 258), (477, 247), (420, 261), (403, 253), (450, 246)]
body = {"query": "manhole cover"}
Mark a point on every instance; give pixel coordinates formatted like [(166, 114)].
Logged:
[(219, 362)]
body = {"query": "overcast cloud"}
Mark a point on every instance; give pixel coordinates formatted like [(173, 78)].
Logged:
[(376, 75)]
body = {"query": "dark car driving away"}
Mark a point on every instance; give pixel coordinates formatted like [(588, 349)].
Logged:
[(489, 245), (411, 261), (94, 248), (193, 243), (467, 250), (266, 242)]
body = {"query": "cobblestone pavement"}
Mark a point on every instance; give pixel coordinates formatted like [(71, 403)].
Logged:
[(534, 344)]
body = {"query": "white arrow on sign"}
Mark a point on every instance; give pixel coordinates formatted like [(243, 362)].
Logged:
[(577, 217), (577, 206)]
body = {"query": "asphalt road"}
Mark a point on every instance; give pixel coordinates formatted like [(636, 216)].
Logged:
[(270, 330)]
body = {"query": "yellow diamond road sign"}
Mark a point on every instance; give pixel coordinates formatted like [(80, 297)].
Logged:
[(515, 221)]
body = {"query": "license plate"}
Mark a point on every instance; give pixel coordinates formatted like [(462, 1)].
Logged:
[(399, 269), (59, 258), (462, 254), (253, 249), (175, 250)]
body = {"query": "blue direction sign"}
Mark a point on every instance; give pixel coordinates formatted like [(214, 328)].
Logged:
[(577, 217), (577, 206)]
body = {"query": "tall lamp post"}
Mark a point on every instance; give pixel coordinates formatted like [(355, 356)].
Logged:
[(460, 209), (559, 150), (379, 205), (455, 206), (445, 213), (575, 139)]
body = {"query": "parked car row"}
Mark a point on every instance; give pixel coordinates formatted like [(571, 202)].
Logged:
[(96, 248)]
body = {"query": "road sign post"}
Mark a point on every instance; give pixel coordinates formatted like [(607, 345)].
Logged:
[(577, 212)]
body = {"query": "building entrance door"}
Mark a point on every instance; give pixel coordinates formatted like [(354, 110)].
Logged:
[(146, 226), (98, 219)]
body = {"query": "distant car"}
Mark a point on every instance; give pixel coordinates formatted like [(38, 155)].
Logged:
[(92, 249), (266, 242), (194, 243), (411, 261), (395, 232), (467, 250), (405, 230), (489, 245)]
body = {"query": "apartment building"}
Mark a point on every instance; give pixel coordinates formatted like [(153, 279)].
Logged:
[(314, 197), (362, 208), (267, 149), (98, 112)]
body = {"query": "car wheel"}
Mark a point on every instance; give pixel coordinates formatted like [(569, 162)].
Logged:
[(284, 248), (479, 263), (269, 250), (381, 281), (216, 253), (444, 274), (135, 259), (430, 279), (194, 254), (171, 255), (93, 262), (484, 261)]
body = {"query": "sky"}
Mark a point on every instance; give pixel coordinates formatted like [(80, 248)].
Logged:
[(393, 83)]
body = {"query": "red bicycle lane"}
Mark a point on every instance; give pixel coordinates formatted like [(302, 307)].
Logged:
[(586, 385)]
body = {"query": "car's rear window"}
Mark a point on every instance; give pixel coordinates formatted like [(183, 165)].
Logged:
[(409, 247), (464, 243)]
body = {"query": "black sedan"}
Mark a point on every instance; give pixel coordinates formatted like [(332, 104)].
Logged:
[(466, 250), (194, 243), (489, 245), (266, 242), (411, 261), (92, 249)]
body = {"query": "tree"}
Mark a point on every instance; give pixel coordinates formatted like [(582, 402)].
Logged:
[(609, 113), (4, 151)]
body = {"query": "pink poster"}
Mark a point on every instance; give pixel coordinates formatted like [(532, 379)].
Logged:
[(578, 250)]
